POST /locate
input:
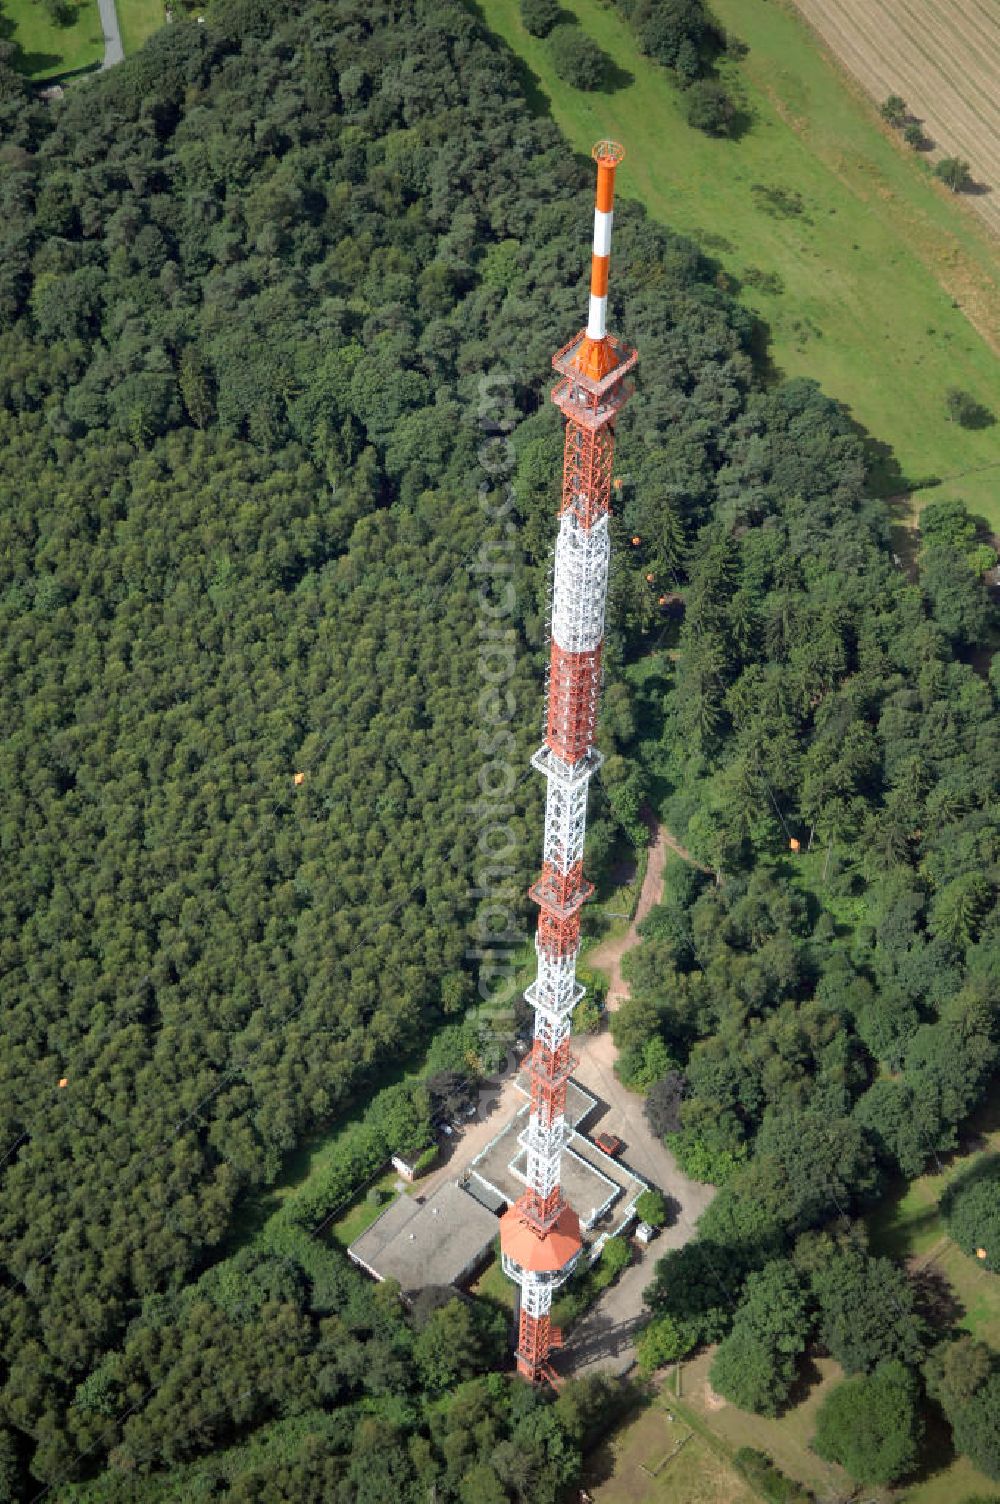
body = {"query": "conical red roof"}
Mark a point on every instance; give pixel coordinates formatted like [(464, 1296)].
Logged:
[(542, 1255)]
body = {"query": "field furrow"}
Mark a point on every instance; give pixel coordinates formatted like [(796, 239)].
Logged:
[(896, 73), (976, 30), (943, 57), (930, 74), (972, 81), (918, 54)]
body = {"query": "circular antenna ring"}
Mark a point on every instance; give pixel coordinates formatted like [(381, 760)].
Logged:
[(609, 152)]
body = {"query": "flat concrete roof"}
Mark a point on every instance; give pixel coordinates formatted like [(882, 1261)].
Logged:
[(592, 1182), (487, 1195), (432, 1244)]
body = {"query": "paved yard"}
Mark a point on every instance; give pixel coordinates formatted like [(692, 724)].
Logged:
[(604, 1339), (620, 1112), (497, 1105)]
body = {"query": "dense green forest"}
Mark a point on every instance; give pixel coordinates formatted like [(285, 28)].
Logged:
[(821, 1019), (250, 284)]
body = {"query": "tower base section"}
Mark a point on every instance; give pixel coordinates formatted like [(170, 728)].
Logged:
[(534, 1342), (540, 1259)]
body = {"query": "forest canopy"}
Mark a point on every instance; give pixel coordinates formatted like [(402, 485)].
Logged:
[(251, 282)]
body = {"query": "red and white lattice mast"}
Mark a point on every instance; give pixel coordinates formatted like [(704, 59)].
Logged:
[(540, 1234)]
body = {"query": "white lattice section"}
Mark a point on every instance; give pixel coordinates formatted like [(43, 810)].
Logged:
[(580, 584), (536, 1296), (565, 823), (546, 761), (552, 1030), (555, 988), (544, 1149), (536, 1289)]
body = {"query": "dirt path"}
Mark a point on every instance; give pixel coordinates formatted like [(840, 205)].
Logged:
[(605, 1337), (607, 956)]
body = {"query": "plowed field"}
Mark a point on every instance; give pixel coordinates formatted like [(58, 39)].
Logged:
[(943, 57)]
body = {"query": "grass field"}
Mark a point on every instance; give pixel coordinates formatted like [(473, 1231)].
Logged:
[(785, 1440), (639, 1465), (943, 57), (871, 259), (952, 1485), (907, 1225), (137, 20), (494, 1286), (361, 1213), (45, 49)]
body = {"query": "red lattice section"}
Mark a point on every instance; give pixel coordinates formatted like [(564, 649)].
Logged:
[(574, 688), (534, 1339), (588, 401), (541, 1211), (551, 1065), (548, 1100), (565, 891), (588, 456), (559, 934)]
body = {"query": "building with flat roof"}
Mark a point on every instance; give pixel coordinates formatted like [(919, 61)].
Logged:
[(441, 1242), (602, 1190)]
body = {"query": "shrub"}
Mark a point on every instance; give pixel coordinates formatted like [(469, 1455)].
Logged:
[(954, 172), (964, 1378), (425, 1159), (651, 1208), (871, 1426), (893, 110), (665, 1340), (768, 1480), (576, 59), (964, 410), (914, 136), (955, 1370), (674, 31), (615, 1256), (946, 524), (976, 1427), (714, 1165), (587, 1016), (586, 1284), (709, 107), (60, 12), (687, 63), (539, 16), (640, 1067), (770, 282), (971, 1209)]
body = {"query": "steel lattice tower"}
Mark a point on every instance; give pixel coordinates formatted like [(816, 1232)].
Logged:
[(540, 1234)]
